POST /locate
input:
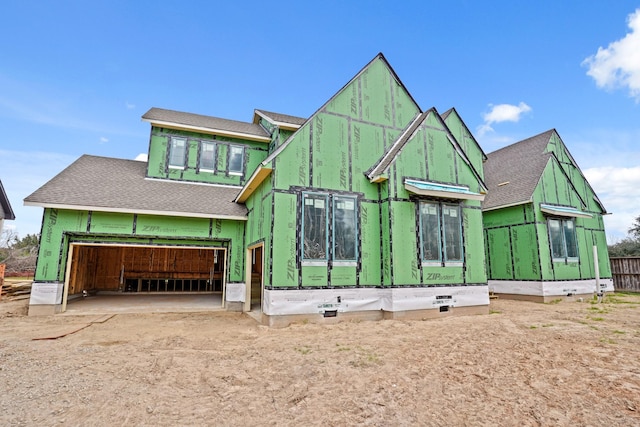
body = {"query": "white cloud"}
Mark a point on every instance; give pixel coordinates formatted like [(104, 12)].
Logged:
[(129, 105), (103, 140), (502, 113), (618, 65), (617, 188), (142, 157)]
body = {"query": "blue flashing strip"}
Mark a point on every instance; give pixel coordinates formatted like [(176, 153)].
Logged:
[(564, 211), (432, 186)]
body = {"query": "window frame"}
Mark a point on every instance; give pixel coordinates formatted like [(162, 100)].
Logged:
[(214, 149), (344, 199), (172, 141), (229, 156), (315, 197), (442, 233), (564, 258)]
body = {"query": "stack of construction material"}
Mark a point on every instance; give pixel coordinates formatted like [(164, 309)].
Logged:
[(15, 290)]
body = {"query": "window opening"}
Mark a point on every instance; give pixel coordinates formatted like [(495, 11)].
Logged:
[(440, 233), (236, 159), (562, 235), (177, 152), (344, 228), (207, 156)]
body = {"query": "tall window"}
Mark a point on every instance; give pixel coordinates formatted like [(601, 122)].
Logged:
[(562, 235), (316, 239), (344, 229), (440, 233), (177, 152), (207, 156), (314, 225), (236, 159)]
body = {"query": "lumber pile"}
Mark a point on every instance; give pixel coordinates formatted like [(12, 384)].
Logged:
[(13, 290)]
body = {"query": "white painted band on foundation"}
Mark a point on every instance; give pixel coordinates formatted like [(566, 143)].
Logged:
[(311, 301), (555, 288)]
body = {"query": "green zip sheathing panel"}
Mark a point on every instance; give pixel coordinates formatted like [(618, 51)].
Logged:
[(314, 276), (292, 164), (466, 140), (111, 223), (258, 228), (500, 256), (284, 273), (473, 238), (168, 226), (504, 217), (343, 276), (55, 222), (375, 96), (254, 153), (370, 244), (524, 243), (404, 243), (368, 144), (385, 241)]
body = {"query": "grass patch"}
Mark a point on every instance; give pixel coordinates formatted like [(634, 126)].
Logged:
[(495, 312), (597, 319), (547, 325), (303, 350), (619, 332), (533, 327), (555, 301), (607, 341)]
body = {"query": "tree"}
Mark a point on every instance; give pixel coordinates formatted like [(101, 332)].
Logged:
[(19, 255), (635, 228)]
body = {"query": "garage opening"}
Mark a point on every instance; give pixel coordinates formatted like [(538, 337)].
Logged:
[(149, 269)]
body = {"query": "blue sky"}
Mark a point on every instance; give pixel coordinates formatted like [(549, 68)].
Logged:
[(76, 76)]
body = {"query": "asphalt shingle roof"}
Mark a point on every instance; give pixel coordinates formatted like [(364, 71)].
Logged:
[(206, 122), (117, 184), (283, 118), (520, 165)]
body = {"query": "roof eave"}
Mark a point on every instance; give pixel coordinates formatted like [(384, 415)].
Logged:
[(281, 125), (213, 131), (253, 183), (508, 205), (135, 211)]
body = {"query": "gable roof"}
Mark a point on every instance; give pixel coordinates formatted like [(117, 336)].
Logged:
[(281, 120), (512, 173), (6, 212), (452, 110), (118, 185), (380, 57), (206, 124), (392, 153)]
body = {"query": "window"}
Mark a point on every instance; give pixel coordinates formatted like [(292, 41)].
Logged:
[(177, 152), (236, 159), (314, 225), (562, 235), (440, 233), (317, 240), (207, 156), (344, 229)]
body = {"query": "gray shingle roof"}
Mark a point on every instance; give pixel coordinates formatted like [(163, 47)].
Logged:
[(204, 122), (283, 118), (104, 183), (521, 165), (5, 207)]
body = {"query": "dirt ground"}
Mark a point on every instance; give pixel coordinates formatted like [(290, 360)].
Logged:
[(524, 364)]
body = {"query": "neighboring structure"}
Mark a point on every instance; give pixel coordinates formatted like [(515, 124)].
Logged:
[(542, 220), (369, 208), (5, 208)]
